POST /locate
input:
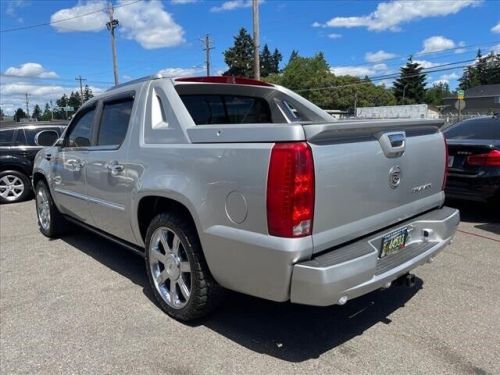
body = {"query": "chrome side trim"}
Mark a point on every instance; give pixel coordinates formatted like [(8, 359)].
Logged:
[(84, 197)]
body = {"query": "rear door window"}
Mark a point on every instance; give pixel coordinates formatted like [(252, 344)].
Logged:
[(227, 109), (485, 128), (114, 122)]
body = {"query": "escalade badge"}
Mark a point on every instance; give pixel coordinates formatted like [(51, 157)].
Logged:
[(394, 176)]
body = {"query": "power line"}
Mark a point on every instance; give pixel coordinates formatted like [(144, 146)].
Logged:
[(65, 19), (79, 78)]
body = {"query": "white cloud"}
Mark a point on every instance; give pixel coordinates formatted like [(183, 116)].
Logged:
[(181, 72), (30, 70), (13, 6), (390, 15), (145, 22), (183, 1), (496, 28), (334, 36), (427, 64), (360, 70), (79, 19), (378, 56), (446, 78), (437, 43), (233, 4), (495, 48)]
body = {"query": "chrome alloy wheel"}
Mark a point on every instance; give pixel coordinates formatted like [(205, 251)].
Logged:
[(170, 267), (43, 208), (11, 187)]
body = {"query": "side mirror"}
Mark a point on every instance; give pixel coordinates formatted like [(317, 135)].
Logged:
[(46, 138)]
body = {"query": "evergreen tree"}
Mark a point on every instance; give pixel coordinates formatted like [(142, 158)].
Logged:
[(19, 114), (75, 100), (410, 84), (37, 112), (276, 60), (293, 55), (63, 101), (484, 71), (87, 93), (1, 114), (47, 114), (239, 57), (266, 62)]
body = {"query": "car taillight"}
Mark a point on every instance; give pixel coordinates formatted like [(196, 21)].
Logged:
[(445, 163), (290, 190), (491, 159)]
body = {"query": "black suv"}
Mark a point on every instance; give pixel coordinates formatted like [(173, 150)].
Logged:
[(18, 147)]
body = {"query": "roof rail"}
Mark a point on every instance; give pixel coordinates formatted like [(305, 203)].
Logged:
[(225, 79)]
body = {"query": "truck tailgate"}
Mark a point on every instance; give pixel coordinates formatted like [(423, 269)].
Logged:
[(372, 174)]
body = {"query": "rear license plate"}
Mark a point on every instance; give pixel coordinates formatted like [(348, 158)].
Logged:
[(394, 242), (450, 161)]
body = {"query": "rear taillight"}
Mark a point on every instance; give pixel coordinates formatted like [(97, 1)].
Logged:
[(290, 190), (445, 163), (491, 159)]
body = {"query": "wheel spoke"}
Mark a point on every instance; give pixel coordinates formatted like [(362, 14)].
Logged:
[(173, 293), (175, 244), (162, 277), (184, 288), (163, 240), (157, 256), (185, 267)]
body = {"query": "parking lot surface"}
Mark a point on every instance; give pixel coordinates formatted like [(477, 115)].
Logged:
[(81, 304)]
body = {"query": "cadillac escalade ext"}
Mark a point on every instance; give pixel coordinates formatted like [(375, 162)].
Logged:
[(224, 182)]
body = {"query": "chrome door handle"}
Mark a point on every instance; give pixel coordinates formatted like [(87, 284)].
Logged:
[(115, 168), (74, 165)]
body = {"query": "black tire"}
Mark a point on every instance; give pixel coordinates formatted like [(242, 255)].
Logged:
[(205, 293), (56, 223), (11, 175)]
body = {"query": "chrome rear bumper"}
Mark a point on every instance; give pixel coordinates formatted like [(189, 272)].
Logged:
[(355, 269)]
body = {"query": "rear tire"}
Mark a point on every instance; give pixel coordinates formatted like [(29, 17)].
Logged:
[(15, 186), (50, 221), (177, 270)]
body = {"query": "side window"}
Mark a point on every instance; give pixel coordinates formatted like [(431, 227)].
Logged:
[(80, 134), (20, 138), (46, 137), (114, 122), (6, 137)]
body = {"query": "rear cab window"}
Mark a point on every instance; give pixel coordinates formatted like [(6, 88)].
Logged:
[(6, 137)]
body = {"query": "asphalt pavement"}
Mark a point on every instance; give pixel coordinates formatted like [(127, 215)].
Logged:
[(81, 304)]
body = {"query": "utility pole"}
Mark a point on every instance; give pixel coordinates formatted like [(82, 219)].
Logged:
[(27, 105), (112, 25), (79, 78), (208, 47), (256, 43)]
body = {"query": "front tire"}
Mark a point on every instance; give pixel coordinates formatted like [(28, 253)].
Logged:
[(14, 186), (177, 271), (50, 221)]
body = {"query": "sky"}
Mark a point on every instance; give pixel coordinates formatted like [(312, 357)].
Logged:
[(45, 45)]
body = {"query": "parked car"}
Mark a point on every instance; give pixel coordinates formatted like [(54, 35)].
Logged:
[(474, 160), (223, 182), (18, 147)]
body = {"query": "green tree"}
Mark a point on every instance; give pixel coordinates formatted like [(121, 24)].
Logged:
[(409, 88), (47, 114), (437, 93), (1, 114), (87, 93), (293, 55), (19, 114), (484, 71), (266, 62), (239, 57), (75, 100), (37, 112), (276, 60)]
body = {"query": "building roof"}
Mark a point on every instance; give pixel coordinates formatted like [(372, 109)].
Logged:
[(482, 91)]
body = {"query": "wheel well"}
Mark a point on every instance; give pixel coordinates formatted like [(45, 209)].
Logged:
[(149, 207), (38, 177), (14, 168)]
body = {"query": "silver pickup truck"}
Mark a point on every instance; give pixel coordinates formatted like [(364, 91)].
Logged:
[(223, 182)]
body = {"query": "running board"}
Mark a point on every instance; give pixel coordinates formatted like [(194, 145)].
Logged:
[(133, 248)]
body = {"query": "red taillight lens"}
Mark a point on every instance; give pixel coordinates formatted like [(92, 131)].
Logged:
[(445, 163), (491, 159), (290, 190)]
